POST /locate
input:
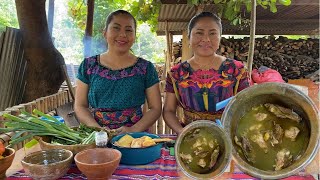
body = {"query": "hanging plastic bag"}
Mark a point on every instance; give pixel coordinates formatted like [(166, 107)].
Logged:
[(265, 74)]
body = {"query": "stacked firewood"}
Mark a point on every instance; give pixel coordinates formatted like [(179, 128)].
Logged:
[(177, 50), (293, 59)]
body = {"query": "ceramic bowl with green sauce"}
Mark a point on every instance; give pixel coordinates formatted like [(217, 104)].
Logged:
[(203, 150)]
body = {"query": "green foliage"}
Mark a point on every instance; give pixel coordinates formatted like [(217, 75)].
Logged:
[(146, 11), (78, 10), (67, 37), (231, 9), (296, 37), (8, 15), (147, 44)]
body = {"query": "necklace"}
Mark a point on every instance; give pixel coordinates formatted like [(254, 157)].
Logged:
[(203, 66)]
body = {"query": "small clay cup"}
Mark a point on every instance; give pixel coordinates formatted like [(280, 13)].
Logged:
[(6, 162), (98, 163)]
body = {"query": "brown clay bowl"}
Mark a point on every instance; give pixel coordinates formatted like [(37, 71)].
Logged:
[(6, 162), (45, 145), (48, 164), (98, 163)]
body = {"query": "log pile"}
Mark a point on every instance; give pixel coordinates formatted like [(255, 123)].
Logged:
[(176, 48), (293, 59)]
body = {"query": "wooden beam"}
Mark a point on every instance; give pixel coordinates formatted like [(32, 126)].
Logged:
[(268, 21), (174, 1), (168, 53), (304, 2), (287, 21), (307, 24), (293, 2), (173, 20)]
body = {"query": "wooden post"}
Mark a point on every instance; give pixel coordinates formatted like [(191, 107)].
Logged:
[(89, 28), (42, 108), (2, 118), (16, 112), (167, 129), (186, 50), (160, 126), (45, 104), (58, 99), (34, 105), (28, 107), (168, 52), (5, 138), (153, 129), (65, 73), (38, 104), (66, 97), (252, 36), (51, 103), (50, 16), (61, 98), (55, 101), (19, 107)]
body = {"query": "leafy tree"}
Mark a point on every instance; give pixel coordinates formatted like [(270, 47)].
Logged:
[(147, 44), (67, 36), (8, 15), (231, 9)]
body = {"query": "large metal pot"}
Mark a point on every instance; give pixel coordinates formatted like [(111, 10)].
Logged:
[(224, 156), (277, 93)]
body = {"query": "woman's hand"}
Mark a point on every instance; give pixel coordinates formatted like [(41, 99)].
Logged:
[(124, 129)]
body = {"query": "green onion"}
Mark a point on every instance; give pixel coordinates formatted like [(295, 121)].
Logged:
[(34, 126)]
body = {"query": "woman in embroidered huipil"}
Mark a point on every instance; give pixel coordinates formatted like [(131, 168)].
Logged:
[(198, 83), (116, 83)]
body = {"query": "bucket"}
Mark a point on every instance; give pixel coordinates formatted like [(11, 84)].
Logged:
[(276, 93)]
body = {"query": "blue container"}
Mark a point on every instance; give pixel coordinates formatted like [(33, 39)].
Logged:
[(59, 118), (138, 156)]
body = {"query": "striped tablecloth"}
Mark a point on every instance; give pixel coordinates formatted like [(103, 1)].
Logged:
[(163, 168)]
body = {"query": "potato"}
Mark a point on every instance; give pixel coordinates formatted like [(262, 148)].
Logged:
[(125, 141)]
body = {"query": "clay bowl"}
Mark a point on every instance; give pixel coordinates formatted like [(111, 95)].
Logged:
[(6, 162), (223, 159), (45, 145), (98, 163), (48, 164)]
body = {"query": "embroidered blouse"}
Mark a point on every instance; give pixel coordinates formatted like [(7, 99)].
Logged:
[(200, 90), (117, 89), (117, 95)]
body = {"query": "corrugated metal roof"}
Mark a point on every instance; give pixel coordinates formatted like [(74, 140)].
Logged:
[(301, 17)]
